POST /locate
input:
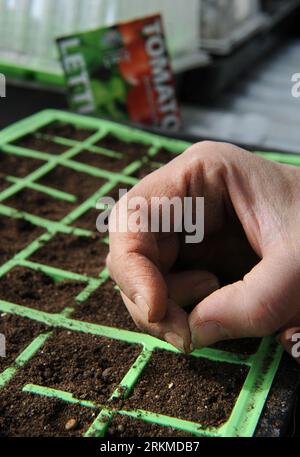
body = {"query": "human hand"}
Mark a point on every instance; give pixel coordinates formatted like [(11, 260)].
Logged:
[(250, 247)]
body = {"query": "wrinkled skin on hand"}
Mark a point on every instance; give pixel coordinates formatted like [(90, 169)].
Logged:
[(243, 279)]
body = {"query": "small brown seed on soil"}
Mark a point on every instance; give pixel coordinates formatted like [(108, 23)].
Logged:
[(71, 424), (107, 374)]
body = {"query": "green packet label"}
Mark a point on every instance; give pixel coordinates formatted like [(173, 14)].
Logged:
[(123, 72)]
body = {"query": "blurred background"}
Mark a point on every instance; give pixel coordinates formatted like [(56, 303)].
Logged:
[(233, 61)]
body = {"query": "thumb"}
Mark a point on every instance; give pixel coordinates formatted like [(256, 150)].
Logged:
[(257, 306)]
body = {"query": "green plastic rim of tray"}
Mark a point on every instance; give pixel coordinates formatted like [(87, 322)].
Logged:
[(262, 365), (33, 73)]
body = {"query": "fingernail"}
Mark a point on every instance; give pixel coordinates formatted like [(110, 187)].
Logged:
[(175, 340), (206, 288), (142, 304), (207, 334)]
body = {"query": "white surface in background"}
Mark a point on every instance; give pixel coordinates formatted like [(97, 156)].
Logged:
[(29, 27)]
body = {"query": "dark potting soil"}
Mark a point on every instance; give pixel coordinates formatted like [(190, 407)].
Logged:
[(3, 183), (164, 156), (15, 235), (19, 333), (40, 204), (278, 415), (105, 306), (24, 414), (243, 346), (114, 193), (88, 366), (35, 289), (98, 160), (189, 388), (74, 182), (39, 144), (125, 426), (15, 165), (145, 170), (132, 149), (84, 255), (69, 131), (88, 220)]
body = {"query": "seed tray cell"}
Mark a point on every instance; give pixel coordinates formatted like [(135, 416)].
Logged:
[(112, 312), (40, 204), (86, 324), (40, 144), (81, 254), (26, 414), (35, 289), (15, 165)]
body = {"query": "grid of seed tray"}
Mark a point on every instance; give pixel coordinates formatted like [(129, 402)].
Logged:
[(76, 365)]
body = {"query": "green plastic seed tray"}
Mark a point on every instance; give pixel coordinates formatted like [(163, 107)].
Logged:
[(36, 72), (261, 366)]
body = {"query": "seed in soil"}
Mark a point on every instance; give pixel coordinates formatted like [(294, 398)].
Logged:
[(35, 289), (19, 332), (125, 426), (133, 150), (204, 391), (74, 182), (80, 254), (75, 362), (105, 306), (39, 144), (15, 235), (68, 131), (24, 414), (40, 204), (15, 165)]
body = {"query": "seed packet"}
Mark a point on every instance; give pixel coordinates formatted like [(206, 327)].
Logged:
[(123, 72)]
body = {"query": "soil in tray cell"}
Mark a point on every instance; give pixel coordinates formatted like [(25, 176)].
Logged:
[(105, 306), (88, 220), (145, 170), (24, 414), (15, 165), (189, 388), (98, 160), (133, 149), (69, 131), (245, 346), (125, 426), (41, 145), (82, 185), (84, 255), (88, 366), (19, 332), (15, 235), (3, 183), (39, 204), (35, 289), (114, 193), (164, 156)]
